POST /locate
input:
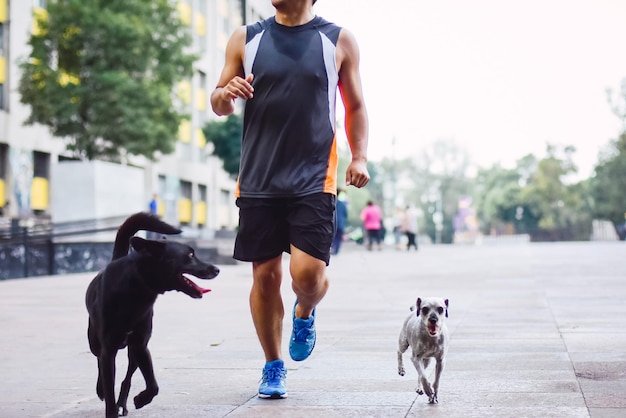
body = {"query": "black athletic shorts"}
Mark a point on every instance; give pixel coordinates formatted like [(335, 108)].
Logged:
[(267, 226)]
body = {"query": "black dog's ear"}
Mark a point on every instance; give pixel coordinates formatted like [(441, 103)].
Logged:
[(446, 302), (140, 244)]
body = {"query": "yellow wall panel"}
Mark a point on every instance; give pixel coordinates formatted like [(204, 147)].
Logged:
[(39, 194), (184, 91), (184, 11), (3, 11), (184, 131), (184, 210), (200, 24), (200, 138), (200, 213), (200, 99), (3, 197), (3, 66)]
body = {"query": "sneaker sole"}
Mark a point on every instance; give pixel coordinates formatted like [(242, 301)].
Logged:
[(272, 396)]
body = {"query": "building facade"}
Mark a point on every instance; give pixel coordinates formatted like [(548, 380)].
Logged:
[(191, 187)]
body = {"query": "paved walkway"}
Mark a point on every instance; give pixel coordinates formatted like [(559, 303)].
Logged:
[(537, 330)]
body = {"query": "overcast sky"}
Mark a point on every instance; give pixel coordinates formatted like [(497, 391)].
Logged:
[(499, 77)]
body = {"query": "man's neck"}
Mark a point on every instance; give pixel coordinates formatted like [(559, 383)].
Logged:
[(294, 17)]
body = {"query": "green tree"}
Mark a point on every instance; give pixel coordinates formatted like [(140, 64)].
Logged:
[(101, 75), (225, 135), (559, 206), (608, 185)]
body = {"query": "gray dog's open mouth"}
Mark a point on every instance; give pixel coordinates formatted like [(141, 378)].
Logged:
[(432, 329), (190, 288)]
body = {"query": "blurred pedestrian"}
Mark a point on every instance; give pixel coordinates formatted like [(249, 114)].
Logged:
[(153, 207), (372, 217), (409, 227)]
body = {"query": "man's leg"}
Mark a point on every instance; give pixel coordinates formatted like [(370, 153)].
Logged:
[(266, 306), (309, 281)]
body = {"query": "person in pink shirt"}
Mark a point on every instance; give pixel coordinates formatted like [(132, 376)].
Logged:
[(372, 218)]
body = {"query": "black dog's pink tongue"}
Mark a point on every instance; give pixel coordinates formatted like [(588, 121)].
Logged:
[(190, 278)]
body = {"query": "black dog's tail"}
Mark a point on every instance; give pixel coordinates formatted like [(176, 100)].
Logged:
[(141, 221)]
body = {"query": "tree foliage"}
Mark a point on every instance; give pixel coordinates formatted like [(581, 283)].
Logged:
[(225, 135), (608, 186), (101, 75)]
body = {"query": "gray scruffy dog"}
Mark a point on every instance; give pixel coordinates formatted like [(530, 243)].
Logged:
[(426, 333)]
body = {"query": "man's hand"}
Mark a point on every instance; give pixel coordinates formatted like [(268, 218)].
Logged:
[(357, 174), (239, 87)]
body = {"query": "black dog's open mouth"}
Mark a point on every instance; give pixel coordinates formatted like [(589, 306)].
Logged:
[(190, 288)]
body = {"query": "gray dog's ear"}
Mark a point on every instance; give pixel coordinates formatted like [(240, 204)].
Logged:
[(446, 302), (419, 304)]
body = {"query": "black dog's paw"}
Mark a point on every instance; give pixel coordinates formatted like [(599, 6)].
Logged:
[(122, 410), (145, 397)]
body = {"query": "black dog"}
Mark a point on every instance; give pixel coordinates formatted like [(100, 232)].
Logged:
[(120, 302)]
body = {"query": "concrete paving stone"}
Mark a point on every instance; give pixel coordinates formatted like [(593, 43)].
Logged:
[(600, 371), (606, 386), (456, 411), (279, 409), (607, 412), (595, 342), (319, 397), (509, 344), (482, 384), (605, 400), (504, 375), (478, 398), (609, 357)]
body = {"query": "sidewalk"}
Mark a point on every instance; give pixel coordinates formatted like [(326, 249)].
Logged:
[(537, 330)]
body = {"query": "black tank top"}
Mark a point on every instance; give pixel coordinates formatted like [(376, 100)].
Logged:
[(289, 145)]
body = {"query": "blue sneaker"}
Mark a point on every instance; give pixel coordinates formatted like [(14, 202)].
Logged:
[(273, 380), (302, 339)]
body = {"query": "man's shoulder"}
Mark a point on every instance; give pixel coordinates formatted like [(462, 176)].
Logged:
[(328, 28), (258, 27)]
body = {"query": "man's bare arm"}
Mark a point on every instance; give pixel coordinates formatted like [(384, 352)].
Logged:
[(232, 84), (356, 121)]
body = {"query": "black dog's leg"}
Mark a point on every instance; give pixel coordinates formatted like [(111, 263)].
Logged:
[(95, 347), (106, 365), (125, 387), (138, 350), (99, 390), (144, 361)]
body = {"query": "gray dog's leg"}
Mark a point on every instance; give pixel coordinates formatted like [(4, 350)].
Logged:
[(438, 369), (403, 344), (423, 385)]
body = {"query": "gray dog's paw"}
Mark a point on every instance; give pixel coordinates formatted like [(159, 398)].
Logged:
[(433, 399), (401, 371), (419, 390)]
